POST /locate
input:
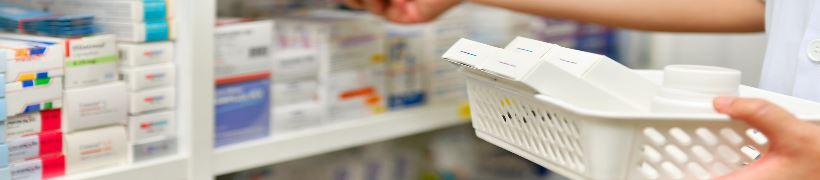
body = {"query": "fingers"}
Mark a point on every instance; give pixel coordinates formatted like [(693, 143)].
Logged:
[(355, 4), (768, 118)]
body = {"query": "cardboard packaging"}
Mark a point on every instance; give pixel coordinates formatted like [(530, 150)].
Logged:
[(95, 106), (150, 76), (352, 61), (406, 51), (152, 126), (96, 148), (149, 31), (140, 54), (295, 64), (296, 117), (28, 58), (34, 95), (35, 146), (153, 149), (91, 61), (243, 48), (242, 109), (152, 100), (33, 123), (117, 11), (43, 168), (287, 93)]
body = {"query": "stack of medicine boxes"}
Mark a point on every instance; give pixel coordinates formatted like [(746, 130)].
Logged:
[(242, 66), (130, 20), (143, 32), (33, 96), (150, 73), (352, 64), (94, 104)]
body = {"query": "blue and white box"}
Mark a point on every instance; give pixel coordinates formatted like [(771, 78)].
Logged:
[(149, 31), (117, 11), (242, 109)]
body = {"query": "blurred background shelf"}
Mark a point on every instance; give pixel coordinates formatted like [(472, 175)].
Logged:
[(175, 167), (336, 137)]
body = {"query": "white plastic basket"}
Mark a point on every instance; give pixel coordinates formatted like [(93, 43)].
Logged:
[(588, 144)]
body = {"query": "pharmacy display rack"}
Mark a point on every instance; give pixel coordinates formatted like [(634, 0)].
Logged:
[(593, 144), (197, 158)]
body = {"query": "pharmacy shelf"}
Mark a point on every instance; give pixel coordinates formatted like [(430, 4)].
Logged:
[(175, 167), (335, 137)]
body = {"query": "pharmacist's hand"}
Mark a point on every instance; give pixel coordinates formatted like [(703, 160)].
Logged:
[(794, 145), (405, 11)]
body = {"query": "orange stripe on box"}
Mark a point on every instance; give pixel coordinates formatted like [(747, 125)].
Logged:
[(242, 78), (357, 92)]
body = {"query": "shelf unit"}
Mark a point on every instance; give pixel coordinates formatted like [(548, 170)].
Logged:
[(167, 168), (197, 158), (335, 137)]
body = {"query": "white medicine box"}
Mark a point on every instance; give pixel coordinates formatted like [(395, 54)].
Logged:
[(95, 106), (243, 48)]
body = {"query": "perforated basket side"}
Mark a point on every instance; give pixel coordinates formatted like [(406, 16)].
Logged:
[(693, 149)]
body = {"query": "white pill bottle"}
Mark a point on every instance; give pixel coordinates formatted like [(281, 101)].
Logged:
[(691, 88)]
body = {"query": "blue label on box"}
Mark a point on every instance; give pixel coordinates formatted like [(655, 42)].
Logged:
[(242, 111), (157, 31), (406, 100), (154, 10)]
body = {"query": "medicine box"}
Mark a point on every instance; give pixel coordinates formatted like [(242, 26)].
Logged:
[(95, 148), (352, 62), (152, 100), (295, 64), (35, 146), (151, 126), (295, 117), (27, 58), (149, 76), (33, 123), (242, 109), (405, 53), (43, 168), (116, 11), (95, 106), (91, 60), (153, 149), (33, 95), (293, 92), (445, 84), (140, 54), (149, 31), (243, 48)]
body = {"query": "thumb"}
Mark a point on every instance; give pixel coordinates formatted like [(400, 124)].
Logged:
[(773, 121)]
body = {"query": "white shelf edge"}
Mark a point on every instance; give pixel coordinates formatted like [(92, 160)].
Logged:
[(335, 137), (174, 167)]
